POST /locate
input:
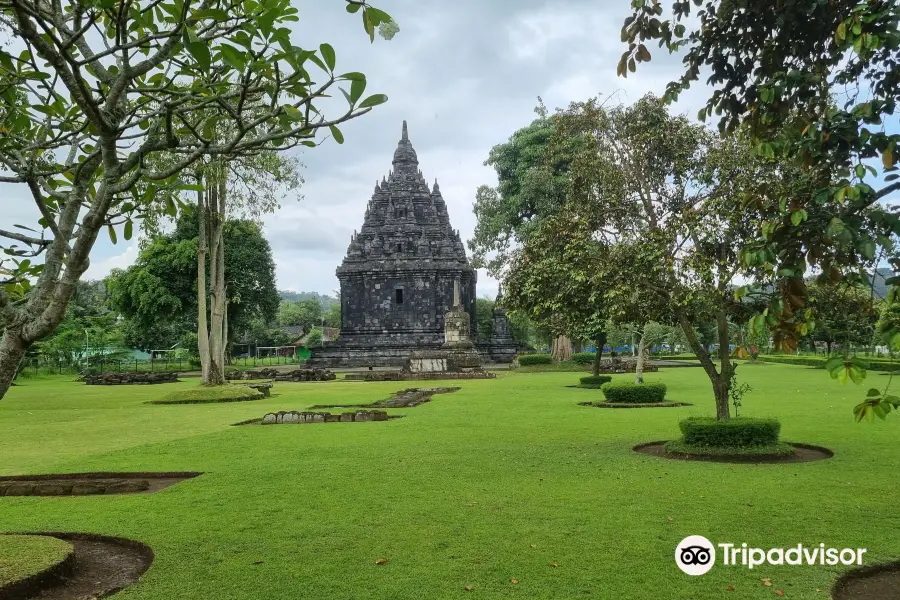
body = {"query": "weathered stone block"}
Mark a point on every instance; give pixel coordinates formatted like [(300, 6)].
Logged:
[(347, 417), (20, 489), (87, 489), (270, 419), (52, 489), (128, 486)]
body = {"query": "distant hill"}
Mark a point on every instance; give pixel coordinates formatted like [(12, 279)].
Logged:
[(293, 296)]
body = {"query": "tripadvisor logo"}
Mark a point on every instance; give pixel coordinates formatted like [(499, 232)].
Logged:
[(696, 555)]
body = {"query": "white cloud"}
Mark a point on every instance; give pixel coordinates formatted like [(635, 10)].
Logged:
[(101, 268), (465, 74)]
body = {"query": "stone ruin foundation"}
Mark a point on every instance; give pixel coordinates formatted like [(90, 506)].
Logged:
[(88, 484), (407, 398), (295, 375), (294, 417), (129, 378)]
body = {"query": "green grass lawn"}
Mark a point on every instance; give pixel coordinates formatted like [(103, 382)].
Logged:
[(22, 556), (492, 483)]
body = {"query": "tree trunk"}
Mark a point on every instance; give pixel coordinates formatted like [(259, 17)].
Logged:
[(562, 347), (229, 343), (641, 351), (12, 351), (719, 385), (724, 382), (202, 327), (216, 374), (598, 355)]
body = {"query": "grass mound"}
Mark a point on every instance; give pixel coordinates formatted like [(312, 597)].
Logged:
[(22, 556), (776, 449), (207, 394)]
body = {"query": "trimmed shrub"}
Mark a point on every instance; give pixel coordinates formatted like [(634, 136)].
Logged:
[(739, 432), (535, 359), (819, 361), (634, 393), (584, 358), (595, 381), (747, 452)]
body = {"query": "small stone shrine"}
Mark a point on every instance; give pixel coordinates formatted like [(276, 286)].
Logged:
[(457, 357)]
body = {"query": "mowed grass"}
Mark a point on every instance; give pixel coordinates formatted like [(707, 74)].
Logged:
[(499, 481), (22, 556)]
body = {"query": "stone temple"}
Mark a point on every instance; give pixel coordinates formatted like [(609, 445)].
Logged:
[(397, 280)]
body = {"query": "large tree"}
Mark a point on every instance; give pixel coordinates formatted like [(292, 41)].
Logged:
[(532, 186), (845, 315), (161, 287), (555, 277), (99, 89), (813, 82), (666, 196), (303, 313)]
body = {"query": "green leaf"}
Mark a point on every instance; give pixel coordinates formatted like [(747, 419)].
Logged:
[(368, 26), (353, 8), (373, 100), (377, 17), (216, 14), (232, 56), (112, 233), (328, 54), (200, 52), (293, 112), (833, 364), (128, 227), (352, 76), (873, 392), (357, 87), (857, 374), (171, 209), (868, 250), (336, 133), (835, 227)]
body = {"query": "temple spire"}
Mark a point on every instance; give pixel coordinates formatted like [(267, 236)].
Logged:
[(405, 135)]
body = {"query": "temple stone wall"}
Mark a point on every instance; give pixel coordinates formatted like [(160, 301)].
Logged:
[(398, 275)]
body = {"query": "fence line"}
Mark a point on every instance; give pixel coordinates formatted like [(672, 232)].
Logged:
[(39, 365)]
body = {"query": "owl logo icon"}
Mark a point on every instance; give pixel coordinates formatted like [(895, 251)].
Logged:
[(695, 555)]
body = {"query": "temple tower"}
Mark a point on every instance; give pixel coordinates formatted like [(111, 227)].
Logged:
[(397, 279)]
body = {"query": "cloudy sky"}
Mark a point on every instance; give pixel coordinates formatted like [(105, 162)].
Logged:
[(465, 74)]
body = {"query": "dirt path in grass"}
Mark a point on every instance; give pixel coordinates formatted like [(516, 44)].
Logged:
[(103, 566)]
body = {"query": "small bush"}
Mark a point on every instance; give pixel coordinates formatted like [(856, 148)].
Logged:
[(739, 432), (595, 381), (535, 359), (819, 361), (584, 358), (634, 393), (770, 451), (204, 394)]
